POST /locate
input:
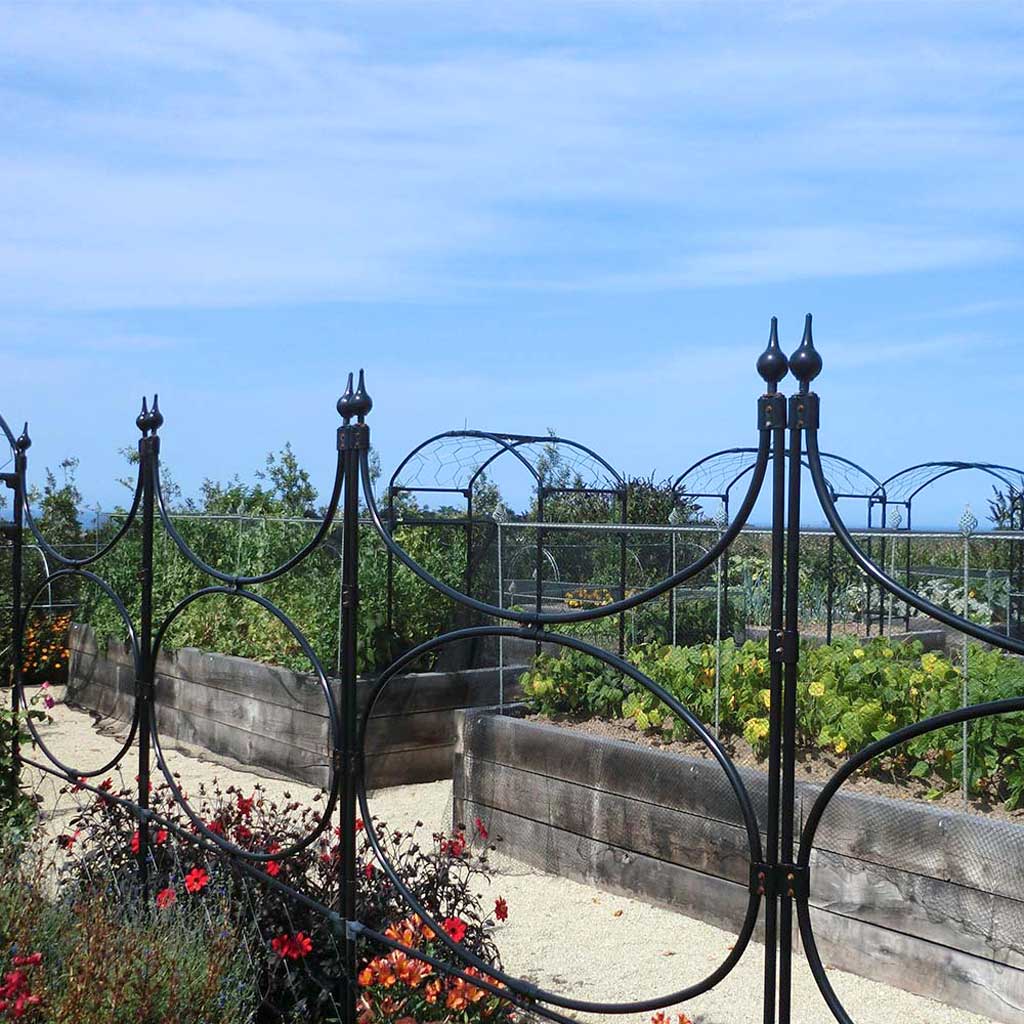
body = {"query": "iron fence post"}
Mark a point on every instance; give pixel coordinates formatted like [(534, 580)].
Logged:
[(968, 524), (540, 555), (148, 421), (16, 483), (773, 366), (830, 591), (353, 439), (805, 365), (624, 519)]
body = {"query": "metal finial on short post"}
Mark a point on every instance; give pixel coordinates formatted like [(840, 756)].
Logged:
[(362, 403), (772, 364), (23, 442), (344, 405), (142, 420), (805, 362)]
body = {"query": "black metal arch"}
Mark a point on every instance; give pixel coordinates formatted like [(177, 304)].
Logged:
[(716, 474), (901, 488), (458, 475), (520, 445), (904, 485)]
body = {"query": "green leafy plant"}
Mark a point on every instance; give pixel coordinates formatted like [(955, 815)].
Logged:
[(849, 693)]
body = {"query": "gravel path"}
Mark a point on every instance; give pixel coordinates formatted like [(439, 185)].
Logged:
[(565, 936)]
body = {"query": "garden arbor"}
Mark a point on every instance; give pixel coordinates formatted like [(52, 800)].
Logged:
[(456, 463), (716, 475), (893, 502)]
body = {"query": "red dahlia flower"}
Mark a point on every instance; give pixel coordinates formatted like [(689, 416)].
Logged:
[(292, 947), (196, 880)]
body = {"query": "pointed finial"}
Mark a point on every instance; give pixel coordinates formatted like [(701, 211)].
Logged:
[(362, 403), (142, 420), (345, 402), (772, 364), (968, 521), (805, 363), (156, 418), (24, 442)]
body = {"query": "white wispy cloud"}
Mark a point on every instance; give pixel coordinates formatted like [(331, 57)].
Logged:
[(199, 155)]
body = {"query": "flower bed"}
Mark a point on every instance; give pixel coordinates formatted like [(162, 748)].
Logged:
[(232, 948)]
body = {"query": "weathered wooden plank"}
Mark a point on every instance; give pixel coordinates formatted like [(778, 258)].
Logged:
[(405, 767), (926, 968), (690, 840), (981, 923), (257, 713), (968, 849), (249, 749), (614, 766), (555, 851)]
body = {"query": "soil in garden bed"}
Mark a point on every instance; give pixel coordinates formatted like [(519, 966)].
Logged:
[(812, 765)]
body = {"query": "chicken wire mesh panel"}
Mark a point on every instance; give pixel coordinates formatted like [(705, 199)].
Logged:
[(900, 856)]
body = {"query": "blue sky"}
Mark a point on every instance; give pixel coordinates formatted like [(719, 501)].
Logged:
[(516, 216)]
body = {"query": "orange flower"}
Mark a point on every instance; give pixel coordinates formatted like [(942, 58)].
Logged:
[(432, 991)]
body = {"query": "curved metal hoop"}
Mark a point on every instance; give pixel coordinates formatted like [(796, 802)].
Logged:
[(264, 577), (96, 555), (324, 821), (810, 829), (586, 614), (136, 658), (723, 759), (883, 579)]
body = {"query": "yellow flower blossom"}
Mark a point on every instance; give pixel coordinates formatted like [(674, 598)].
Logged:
[(816, 689)]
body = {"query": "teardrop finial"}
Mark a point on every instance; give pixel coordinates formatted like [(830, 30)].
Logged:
[(805, 362), (362, 403), (772, 364), (345, 402), (24, 442), (156, 417), (968, 521), (142, 420)]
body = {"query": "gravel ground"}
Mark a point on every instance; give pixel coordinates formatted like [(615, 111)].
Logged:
[(571, 938)]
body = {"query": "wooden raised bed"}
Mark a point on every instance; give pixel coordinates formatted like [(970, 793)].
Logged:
[(922, 898), (269, 717)]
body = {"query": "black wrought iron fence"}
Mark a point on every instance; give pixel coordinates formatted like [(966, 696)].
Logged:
[(363, 866)]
